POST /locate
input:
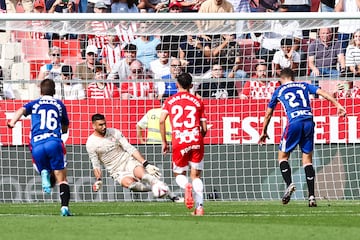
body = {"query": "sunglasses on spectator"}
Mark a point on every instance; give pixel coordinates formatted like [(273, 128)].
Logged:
[(217, 69), (136, 71), (56, 55), (175, 9), (175, 65)]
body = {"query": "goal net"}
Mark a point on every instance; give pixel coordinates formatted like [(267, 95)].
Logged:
[(235, 60)]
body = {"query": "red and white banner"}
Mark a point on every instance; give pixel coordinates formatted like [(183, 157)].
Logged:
[(232, 121)]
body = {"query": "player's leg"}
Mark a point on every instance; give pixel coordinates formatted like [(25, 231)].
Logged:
[(55, 151), (196, 168), (289, 140), (41, 165), (133, 185), (307, 146)]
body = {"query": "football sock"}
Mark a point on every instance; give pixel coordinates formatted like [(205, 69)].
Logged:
[(139, 187), (310, 178), (181, 180), (64, 194), (286, 171), (198, 188), (149, 179)]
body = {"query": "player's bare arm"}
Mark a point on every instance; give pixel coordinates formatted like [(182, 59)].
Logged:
[(267, 118), (340, 109), (163, 117), (18, 114), (203, 127)]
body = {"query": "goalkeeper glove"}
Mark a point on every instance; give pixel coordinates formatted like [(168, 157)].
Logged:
[(97, 185), (152, 170)]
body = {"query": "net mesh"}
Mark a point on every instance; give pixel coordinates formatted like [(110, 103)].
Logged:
[(227, 67)]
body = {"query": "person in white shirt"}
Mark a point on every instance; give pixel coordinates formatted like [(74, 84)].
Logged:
[(161, 66), (286, 57), (68, 88)]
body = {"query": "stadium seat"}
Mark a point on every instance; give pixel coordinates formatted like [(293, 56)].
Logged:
[(34, 49), (35, 66), (11, 51), (20, 71), (69, 48)]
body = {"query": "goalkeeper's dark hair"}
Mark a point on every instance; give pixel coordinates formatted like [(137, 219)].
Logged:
[(97, 117), (47, 87), (185, 80), (287, 73)]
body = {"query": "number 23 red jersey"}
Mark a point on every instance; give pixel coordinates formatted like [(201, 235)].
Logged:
[(185, 111)]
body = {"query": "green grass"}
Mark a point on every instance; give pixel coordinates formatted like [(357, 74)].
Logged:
[(166, 220)]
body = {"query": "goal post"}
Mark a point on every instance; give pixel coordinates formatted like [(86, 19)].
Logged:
[(236, 167)]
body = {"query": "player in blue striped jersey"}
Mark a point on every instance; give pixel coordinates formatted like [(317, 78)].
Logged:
[(295, 99), (49, 120)]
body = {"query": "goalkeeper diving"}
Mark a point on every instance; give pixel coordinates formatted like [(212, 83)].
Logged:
[(125, 164)]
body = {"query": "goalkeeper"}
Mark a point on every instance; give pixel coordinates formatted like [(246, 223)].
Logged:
[(108, 147)]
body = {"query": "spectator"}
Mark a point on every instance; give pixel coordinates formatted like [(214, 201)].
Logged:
[(85, 70), (271, 41), (146, 46), (121, 70), (167, 87), (60, 6), (161, 66), (99, 28), (174, 40), (346, 26), (10, 5), (52, 69), (327, 5), (286, 57), (91, 6), (124, 6), (111, 53), (39, 7), (152, 5), (259, 87), (324, 54), (101, 89), (217, 88), (264, 6), (186, 6), (151, 122), (135, 89), (346, 89), (352, 56), (225, 51), (214, 6), (66, 87), (195, 55), (126, 32)]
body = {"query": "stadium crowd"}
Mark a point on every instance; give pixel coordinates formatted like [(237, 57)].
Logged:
[(223, 65)]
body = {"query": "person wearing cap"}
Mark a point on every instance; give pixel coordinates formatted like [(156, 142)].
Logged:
[(121, 70), (66, 87), (100, 89), (100, 28), (286, 57), (52, 69), (85, 70)]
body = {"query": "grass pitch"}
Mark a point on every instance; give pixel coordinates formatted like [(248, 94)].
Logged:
[(263, 220)]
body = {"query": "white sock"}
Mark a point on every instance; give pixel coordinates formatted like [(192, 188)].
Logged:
[(150, 179), (181, 180), (198, 188)]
